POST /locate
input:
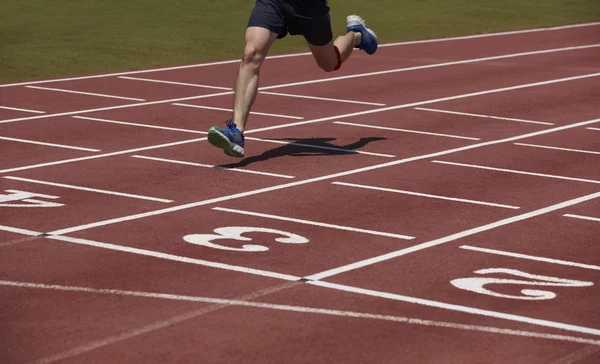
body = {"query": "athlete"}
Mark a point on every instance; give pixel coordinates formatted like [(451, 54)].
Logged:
[(274, 19)]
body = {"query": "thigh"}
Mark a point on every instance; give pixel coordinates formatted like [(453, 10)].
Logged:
[(259, 40), (268, 14)]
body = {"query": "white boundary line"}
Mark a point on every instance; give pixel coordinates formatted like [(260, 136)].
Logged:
[(458, 308), (405, 130), (125, 106), (346, 77), (450, 238), (322, 98), (140, 125), (448, 39), (128, 151), (262, 92), (84, 93), (589, 218), (300, 309), (337, 117), (577, 356), (321, 178), (435, 65), (497, 34), (176, 258), (173, 161), (596, 129), (448, 98), (425, 195), (516, 172), (315, 223), (414, 300), (24, 110), (557, 148), (27, 141), (349, 151), (248, 138), (88, 189), (231, 110), (19, 231), (482, 116), (530, 257), (176, 83)]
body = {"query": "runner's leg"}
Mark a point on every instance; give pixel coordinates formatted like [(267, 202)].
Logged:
[(258, 42)]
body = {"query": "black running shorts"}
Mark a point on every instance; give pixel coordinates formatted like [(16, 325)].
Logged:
[(309, 18)]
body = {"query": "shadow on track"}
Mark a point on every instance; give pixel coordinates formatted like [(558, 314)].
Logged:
[(304, 147)]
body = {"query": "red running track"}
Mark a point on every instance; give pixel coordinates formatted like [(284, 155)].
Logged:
[(435, 203)]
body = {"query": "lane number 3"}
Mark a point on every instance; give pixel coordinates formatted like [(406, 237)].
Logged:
[(235, 233), (476, 284)]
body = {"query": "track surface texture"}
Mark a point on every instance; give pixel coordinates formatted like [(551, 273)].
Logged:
[(438, 202)]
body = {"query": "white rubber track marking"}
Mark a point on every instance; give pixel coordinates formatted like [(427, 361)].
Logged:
[(437, 40)]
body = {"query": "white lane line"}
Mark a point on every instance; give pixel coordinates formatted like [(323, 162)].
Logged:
[(349, 151), (556, 148), (163, 69), (299, 309), (175, 83), (425, 195), (315, 223), (458, 308), (435, 65), (118, 107), (596, 129), (128, 151), (88, 189), (578, 356), (27, 141), (175, 258), (322, 98), (482, 116), (486, 35), (19, 231), (453, 237), (322, 178), (140, 125), (418, 103), (581, 217), (84, 93), (346, 77), (340, 116), (24, 110), (154, 325), (231, 110), (530, 257), (174, 161), (404, 130), (517, 172)]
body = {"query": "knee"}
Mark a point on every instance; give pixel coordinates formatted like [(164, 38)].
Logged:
[(327, 66), (253, 57)]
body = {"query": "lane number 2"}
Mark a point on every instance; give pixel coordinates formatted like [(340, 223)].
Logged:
[(476, 284), (235, 233)]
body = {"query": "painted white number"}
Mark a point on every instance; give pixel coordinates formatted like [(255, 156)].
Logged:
[(476, 284), (235, 233), (16, 198)]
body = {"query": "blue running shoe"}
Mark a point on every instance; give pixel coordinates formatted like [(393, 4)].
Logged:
[(368, 42), (230, 139)]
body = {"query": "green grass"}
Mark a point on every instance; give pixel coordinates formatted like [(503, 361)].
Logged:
[(52, 38)]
